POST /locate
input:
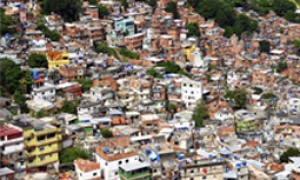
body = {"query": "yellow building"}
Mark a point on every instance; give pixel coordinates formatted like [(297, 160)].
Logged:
[(42, 145), (57, 59), (189, 50)]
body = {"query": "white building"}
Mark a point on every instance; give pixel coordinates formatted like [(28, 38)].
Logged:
[(12, 145), (46, 92), (191, 92), (293, 106), (114, 153), (87, 170), (87, 110)]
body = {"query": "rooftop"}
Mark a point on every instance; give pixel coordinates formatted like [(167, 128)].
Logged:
[(8, 130)]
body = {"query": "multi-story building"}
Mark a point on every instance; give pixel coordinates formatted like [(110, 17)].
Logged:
[(288, 135), (42, 144), (11, 146), (43, 91), (134, 41), (191, 92), (74, 71), (244, 121), (114, 153), (57, 59), (199, 168), (124, 25)]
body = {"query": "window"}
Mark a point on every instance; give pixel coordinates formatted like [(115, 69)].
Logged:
[(42, 158), (80, 174), (95, 174), (127, 160), (42, 148), (116, 173), (120, 162), (192, 171), (52, 135), (204, 177), (41, 138)]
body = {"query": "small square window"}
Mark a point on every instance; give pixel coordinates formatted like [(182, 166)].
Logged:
[(120, 162), (95, 174), (127, 160)]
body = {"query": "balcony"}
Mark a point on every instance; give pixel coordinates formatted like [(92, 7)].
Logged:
[(141, 175), (13, 149)]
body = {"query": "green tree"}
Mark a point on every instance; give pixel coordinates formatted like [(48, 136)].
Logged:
[(125, 4), (172, 68), (268, 96), (224, 14), (53, 35), (200, 113), (264, 46), (86, 84), (239, 95), (297, 43), (281, 7), (284, 157), (281, 66), (257, 90), (68, 156), (37, 60), (21, 101), (106, 133), (127, 53), (172, 8), (103, 11), (42, 113), (152, 3), (8, 23), (103, 48), (154, 73), (26, 81), (93, 2), (10, 75), (68, 9), (193, 29), (69, 107), (193, 3), (170, 107)]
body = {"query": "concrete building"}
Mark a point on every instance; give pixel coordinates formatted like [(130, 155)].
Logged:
[(191, 92), (12, 146), (113, 153)]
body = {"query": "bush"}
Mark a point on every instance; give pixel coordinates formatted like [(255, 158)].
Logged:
[(154, 73), (103, 48), (106, 133), (86, 84), (68, 156), (284, 157), (173, 68), (268, 96), (129, 54)]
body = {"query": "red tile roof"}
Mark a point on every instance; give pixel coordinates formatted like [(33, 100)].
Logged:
[(86, 165), (8, 130)]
